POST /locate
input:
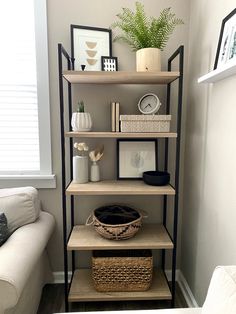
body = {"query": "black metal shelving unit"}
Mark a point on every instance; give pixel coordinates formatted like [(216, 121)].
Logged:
[(69, 65)]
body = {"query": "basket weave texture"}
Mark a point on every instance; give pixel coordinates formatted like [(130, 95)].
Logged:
[(122, 273), (129, 222), (145, 123)]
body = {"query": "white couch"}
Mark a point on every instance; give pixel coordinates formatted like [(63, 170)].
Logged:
[(24, 265), (221, 297)]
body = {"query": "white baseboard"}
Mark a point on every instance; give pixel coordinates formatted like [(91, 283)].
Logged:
[(58, 276), (185, 289), (187, 293)]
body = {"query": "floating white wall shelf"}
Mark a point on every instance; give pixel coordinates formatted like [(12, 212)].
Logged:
[(219, 74)]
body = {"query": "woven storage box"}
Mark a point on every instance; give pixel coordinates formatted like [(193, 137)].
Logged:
[(145, 123), (122, 270)]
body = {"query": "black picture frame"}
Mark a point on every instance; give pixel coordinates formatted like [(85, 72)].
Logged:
[(114, 60), (123, 159), (79, 57), (221, 38)]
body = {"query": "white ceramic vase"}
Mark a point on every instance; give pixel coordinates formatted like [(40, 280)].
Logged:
[(81, 121), (80, 169), (95, 172), (148, 60)]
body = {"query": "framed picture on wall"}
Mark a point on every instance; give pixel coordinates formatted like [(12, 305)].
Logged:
[(226, 49), (134, 156), (88, 44)]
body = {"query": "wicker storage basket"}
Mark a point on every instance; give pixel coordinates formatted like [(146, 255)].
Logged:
[(125, 270), (116, 222), (145, 123)]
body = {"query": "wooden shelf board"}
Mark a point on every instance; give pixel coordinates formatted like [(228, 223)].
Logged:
[(82, 289), (150, 236), (120, 135), (118, 187), (228, 69), (120, 77)]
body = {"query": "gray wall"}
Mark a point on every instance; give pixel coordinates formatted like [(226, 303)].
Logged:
[(100, 13), (209, 215)]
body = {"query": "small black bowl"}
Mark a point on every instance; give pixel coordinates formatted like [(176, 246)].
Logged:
[(156, 177)]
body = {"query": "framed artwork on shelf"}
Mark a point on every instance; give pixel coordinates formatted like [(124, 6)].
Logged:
[(88, 44), (134, 156), (109, 64), (226, 49)]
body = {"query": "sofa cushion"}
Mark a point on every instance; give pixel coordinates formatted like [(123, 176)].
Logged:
[(221, 295), (18, 258), (20, 205), (4, 231)]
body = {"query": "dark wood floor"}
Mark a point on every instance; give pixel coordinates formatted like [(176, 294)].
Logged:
[(52, 302)]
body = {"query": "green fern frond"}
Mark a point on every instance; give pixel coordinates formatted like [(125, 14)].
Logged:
[(139, 31)]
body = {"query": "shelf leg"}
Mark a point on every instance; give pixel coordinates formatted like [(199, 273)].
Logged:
[(61, 52), (179, 52)]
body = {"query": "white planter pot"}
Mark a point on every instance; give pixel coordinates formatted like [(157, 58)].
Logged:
[(81, 121), (148, 60), (80, 169), (95, 172)]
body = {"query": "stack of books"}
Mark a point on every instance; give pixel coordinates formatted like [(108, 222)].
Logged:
[(115, 117)]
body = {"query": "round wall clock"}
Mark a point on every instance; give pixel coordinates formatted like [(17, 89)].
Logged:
[(149, 104)]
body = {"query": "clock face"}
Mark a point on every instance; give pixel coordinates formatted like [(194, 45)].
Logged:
[(149, 104)]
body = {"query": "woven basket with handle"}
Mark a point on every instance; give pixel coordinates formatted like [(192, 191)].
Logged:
[(116, 222)]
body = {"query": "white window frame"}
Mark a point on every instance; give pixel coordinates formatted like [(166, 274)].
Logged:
[(45, 178)]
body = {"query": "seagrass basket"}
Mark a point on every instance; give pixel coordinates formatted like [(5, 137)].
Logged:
[(116, 222), (122, 270)]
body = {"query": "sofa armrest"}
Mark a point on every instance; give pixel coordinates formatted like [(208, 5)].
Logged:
[(19, 255), (221, 295)]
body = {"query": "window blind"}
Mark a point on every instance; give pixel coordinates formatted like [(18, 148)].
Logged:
[(19, 130)]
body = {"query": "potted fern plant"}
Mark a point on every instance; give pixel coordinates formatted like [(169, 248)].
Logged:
[(147, 36), (81, 121)]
